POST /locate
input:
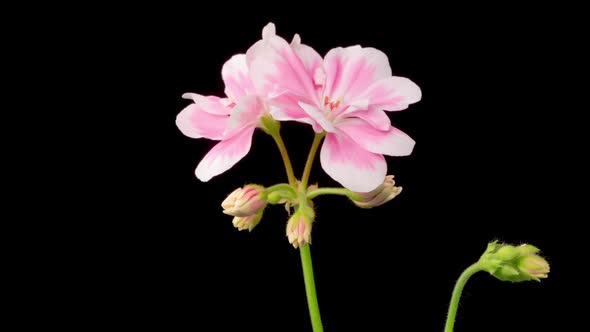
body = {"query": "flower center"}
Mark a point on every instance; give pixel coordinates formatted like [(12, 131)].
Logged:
[(330, 104)]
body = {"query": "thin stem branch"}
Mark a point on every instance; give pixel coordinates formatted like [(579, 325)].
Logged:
[(310, 158), (281, 186), (334, 191), (286, 160), (454, 305)]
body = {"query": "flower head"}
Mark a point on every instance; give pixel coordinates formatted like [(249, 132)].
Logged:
[(514, 263), (343, 94), (231, 119)]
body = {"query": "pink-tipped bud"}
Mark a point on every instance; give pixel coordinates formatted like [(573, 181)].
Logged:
[(244, 202), (380, 195), (299, 229), (535, 266), (248, 222)]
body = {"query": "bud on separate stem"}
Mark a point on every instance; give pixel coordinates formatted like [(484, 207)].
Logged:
[(505, 262), (514, 263)]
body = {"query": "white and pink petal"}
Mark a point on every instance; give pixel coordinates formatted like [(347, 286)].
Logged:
[(194, 122), (350, 70), (392, 142), (225, 155), (210, 104), (392, 94), (312, 60), (321, 122), (245, 114), (276, 68), (285, 107), (351, 165), (376, 118), (236, 78)]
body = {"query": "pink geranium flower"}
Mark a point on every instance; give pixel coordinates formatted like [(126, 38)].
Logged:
[(231, 120), (343, 94)]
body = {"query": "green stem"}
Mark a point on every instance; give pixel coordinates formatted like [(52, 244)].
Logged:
[(281, 186), (286, 160), (310, 158), (454, 305), (312, 299), (334, 191)]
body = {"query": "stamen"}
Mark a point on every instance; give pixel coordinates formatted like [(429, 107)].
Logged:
[(331, 104)]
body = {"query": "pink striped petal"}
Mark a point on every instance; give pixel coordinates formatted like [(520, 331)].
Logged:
[(210, 104), (392, 142), (311, 60), (194, 122), (392, 94), (376, 118), (236, 79), (352, 166), (285, 107), (275, 67), (349, 71), (224, 155)]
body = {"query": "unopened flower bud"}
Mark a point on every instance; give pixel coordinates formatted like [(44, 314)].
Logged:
[(244, 202), (380, 195), (535, 266), (299, 229), (514, 263), (248, 222)]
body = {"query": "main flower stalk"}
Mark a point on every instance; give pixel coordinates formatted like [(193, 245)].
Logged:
[(312, 299)]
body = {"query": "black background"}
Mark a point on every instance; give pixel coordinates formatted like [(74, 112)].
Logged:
[(494, 160)]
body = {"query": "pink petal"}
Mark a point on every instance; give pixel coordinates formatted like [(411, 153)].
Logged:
[(348, 163), (244, 114), (323, 123), (210, 104), (276, 68), (285, 107), (392, 142), (349, 71), (311, 60), (236, 79), (376, 118), (392, 94), (224, 155), (269, 30), (194, 122)]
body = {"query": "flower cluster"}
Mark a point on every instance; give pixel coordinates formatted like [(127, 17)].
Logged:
[(343, 96)]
